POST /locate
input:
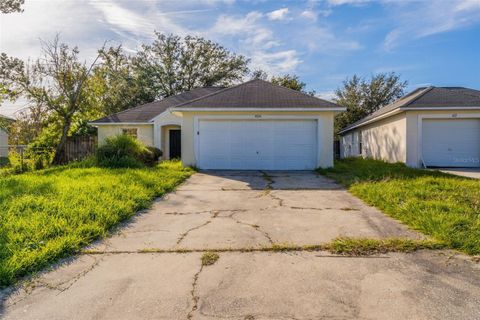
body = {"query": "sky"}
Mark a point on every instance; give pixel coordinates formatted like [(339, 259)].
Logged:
[(434, 42)]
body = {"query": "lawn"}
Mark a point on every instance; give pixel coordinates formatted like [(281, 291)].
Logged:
[(443, 206), (50, 214)]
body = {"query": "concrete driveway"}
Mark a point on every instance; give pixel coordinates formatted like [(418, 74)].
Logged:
[(464, 172), (121, 279)]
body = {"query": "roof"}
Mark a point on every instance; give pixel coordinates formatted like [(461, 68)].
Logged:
[(146, 112), (257, 94), (425, 98), (6, 117)]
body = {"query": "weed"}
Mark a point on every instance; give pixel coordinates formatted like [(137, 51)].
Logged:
[(440, 205), (209, 258)]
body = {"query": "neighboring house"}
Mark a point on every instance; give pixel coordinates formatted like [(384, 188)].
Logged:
[(252, 126), (4, 139), (429, 127)]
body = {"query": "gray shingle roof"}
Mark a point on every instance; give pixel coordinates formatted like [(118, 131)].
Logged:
[(147, 112), (257, 94), (426, 97)]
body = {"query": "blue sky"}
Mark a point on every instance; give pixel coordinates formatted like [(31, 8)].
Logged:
[(427, 42)]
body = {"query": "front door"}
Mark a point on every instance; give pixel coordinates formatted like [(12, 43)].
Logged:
[(175, 145)]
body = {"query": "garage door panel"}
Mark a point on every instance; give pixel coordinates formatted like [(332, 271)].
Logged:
[(257, 144), (451, 142)]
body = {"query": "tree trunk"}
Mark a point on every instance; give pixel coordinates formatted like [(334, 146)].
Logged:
[(60, 150)]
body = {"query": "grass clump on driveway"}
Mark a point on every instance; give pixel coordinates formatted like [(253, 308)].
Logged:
[(444, 206), (209, 258), (360, 247), (47, 215)]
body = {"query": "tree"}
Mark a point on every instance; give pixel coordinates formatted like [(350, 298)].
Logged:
[(172, 65), (9, 6), (55, 82), (362, 97), (115, 83), (292, 82), (288, 81)]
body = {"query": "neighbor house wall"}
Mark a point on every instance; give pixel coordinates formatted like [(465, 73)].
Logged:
[(414, 127), (144, 132), (325, 132), (3, 143), (385, 139)]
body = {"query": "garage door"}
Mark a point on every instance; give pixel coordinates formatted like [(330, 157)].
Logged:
[(451, 142), (257, 144)]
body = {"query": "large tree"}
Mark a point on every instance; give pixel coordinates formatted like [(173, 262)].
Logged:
[(56, 82), (290, 81), (363, 96), (9, 6), (172, 65), (116, 84)]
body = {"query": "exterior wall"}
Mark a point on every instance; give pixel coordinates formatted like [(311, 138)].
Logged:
[(144, 132), (414, 130), (164, 119), (325, 131), (3, 143), (385, 140)]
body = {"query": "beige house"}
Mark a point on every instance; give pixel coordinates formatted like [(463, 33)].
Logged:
[(252, 126), (429, 127), (4, 139)]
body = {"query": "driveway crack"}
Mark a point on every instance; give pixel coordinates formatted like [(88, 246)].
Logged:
[(254, 226), (193, 293)]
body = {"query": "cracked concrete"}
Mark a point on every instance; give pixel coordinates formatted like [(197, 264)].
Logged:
[(236, 210)]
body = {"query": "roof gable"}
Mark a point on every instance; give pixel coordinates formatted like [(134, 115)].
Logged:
[(257, 94), (423, 98)]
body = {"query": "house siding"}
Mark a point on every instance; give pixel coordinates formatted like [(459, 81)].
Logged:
[(385, 139), (3, 143), (144, 132)]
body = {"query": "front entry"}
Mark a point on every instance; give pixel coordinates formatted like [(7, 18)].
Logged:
[(175, 146)]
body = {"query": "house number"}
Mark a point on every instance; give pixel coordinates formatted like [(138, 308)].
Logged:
[(454, 115), (258, 116)]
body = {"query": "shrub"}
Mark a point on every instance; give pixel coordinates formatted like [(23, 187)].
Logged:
[(123, 151)]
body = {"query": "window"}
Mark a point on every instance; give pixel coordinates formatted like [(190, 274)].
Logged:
[(132, 132)]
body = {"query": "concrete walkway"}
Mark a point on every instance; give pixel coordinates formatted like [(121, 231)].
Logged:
[(240, 210)]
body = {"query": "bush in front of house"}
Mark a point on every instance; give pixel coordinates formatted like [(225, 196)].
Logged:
[(123, 151)]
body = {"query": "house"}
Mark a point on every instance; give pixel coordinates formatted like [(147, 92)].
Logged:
[(4, 137), (255, 125), (429, 127)]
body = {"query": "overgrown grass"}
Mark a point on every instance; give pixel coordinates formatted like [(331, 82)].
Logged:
[(49, 214), (444, 206)]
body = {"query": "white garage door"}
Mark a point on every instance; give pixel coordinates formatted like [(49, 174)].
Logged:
[(451, 142), (257, 144)]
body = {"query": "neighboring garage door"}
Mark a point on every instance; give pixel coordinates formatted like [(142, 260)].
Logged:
[(451, 142), (257, 144)]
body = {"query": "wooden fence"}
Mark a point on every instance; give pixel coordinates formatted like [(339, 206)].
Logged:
[(78, 148)]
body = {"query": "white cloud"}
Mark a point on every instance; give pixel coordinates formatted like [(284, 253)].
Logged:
[(276, 62), (227, 24), (280, 14), (351, 2), (430, 18), (310, 14), (326, 95)]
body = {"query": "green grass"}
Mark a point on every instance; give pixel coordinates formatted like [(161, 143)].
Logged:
[(209, 258), (443, 206), (50, 214)]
